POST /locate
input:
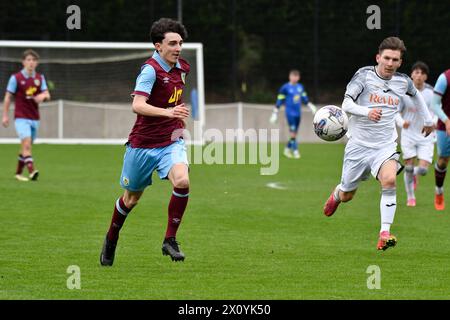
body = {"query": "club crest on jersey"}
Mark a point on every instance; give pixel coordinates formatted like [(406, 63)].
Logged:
[(183, 77), (22, 82), (166, 80), (37, 82), (126, 182)]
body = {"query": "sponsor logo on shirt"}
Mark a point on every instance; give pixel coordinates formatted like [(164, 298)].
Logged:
[(175, 95), (384, 99), (30, 91)]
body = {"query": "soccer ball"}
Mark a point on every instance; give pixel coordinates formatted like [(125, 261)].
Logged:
[(330, 123)]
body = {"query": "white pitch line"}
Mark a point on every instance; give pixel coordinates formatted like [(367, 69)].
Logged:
[(276, 185)]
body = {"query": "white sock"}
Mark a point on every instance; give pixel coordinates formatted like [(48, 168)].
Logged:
[(388, 204), (409, 181), (439, 190), (336, 193)]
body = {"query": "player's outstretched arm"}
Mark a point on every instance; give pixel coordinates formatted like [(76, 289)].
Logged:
[(349, 106), (6, 104), (140, 106)]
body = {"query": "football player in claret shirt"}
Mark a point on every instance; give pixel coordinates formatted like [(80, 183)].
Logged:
[(372, 99), (155, 142), (29, 89), (441, 106)]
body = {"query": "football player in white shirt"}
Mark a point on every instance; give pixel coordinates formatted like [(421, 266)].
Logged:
[(372, 100), (414, 144)]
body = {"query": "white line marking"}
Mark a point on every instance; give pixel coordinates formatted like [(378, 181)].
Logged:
[(276, 185)]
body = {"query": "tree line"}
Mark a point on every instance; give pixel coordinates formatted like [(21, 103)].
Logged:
[(250, 45)]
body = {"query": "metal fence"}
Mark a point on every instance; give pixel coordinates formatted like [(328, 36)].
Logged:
[(65, 121)]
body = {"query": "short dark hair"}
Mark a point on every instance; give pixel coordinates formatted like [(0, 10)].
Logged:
[(295, 72), (164, 25), (30, 52), (392, 43), (421, 66)]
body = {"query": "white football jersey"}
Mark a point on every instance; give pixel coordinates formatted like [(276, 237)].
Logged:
[(411, 115), (368, 89)]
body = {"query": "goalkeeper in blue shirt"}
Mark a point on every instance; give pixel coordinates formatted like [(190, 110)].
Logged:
[(292, 94)]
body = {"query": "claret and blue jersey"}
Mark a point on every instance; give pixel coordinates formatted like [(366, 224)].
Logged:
[(24, 87), (155, 142)]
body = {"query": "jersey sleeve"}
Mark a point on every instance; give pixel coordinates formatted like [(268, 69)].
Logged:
[(12, 85), (145, 81), (441, 85), (356, 85), (43, 84), (422, 108), (436, 107), (411, 89), (281, 97), (304, 97)]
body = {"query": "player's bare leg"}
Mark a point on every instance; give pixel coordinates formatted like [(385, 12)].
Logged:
[(179, 177), (336, 197), (122, 208), (409, 182), (440, 169), (387, 177)]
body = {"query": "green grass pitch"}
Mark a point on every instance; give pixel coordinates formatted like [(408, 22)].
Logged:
[(242, 240)]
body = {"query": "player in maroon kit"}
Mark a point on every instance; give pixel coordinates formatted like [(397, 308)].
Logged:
[(155, 142), (441, 107), (29, 88)]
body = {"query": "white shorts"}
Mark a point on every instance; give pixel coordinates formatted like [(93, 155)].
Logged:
[(360, 162), (423, 150)]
